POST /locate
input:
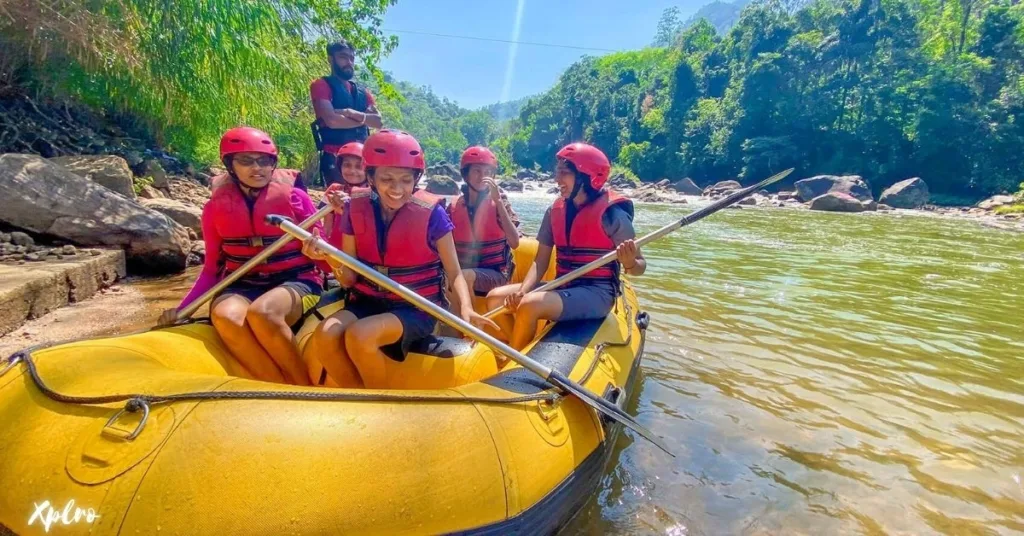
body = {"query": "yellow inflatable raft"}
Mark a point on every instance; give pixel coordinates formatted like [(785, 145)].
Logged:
[(152, 433)]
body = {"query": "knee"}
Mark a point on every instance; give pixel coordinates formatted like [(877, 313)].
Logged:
[(262, 314), (228, 316), (532, 306), (359, 340), (470, 276)]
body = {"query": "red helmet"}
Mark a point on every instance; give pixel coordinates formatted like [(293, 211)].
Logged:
[(588, 160), (246, 140), (352, 148), (393, 148), (478, 155)]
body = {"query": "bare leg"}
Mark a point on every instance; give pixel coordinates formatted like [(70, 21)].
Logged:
[(327, 347), (228, 314), (270, 318), (495, 299), (363, 341), (534, 307)]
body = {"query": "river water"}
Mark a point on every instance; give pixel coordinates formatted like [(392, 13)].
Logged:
[(823, 373), (815, 373)]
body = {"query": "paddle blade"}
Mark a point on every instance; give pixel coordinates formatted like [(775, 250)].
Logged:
[(607, 408)]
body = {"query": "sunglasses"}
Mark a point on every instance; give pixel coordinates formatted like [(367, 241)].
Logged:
[(262, 161)]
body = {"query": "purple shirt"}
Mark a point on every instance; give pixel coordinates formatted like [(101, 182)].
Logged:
[(439, 225)]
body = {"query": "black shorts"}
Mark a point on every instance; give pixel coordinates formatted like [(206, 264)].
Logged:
[(309, 292), (416, 324)]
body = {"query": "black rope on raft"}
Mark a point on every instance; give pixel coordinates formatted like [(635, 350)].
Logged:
[(136, 401)]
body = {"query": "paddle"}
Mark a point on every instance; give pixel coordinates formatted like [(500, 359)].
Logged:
[(245, 268), (683, 222), (547, 373)]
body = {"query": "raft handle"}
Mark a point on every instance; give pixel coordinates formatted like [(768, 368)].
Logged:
[(133, 405), (12, 361)]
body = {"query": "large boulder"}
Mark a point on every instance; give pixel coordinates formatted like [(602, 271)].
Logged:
[(687, 187), (106, 170), (154, 170), (511, 185), (851, 185), (526, 175), (911, 193), (722, 187), (42, 197), (187, 216), (442, 185), (620, 181), (446, 170), (837, 202)]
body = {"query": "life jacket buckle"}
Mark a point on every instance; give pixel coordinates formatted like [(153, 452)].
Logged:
[(256, 241)]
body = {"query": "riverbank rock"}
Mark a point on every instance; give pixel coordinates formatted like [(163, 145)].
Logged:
[(527, 175), (154, 170), (444, 169), (620, 181), (442, 185), (106, 170), (722, 187), (687, 187), (188, 191), (911, 193), (553, 190), (837, 202), (511, 185), (148, 192), (851, 185), (188, 216), (786, 196), (996, 201), (43, 197), (748, 201)]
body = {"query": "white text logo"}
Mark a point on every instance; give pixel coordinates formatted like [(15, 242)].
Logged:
[(71, 514)]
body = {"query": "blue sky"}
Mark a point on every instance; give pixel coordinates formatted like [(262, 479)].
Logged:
[(473, 73)]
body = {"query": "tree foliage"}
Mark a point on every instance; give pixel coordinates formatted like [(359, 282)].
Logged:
[(189, 70), (886, 89)]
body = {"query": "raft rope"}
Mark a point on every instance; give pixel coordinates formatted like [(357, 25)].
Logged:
[(136, 401)]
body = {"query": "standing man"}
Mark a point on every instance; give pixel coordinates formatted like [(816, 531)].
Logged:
[(345, 111)]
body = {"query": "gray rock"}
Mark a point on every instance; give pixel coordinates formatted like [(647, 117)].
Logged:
[(911, 193), (148, 192), (42, 197), (851, 185), (996, 201), (553, 190), (687, 187), (870, 206), (34, 257), (663, 183), (22, 239), (154, 170), (442, 185), (882, 207), (446, 170), (837, 202), (5, 238), (21, 249), (109, 171), (722, 186), (187, 216), (748, 201), (42, 252), (511, 185), (526, 174), (786, 196), (95, 252), (69, 250)]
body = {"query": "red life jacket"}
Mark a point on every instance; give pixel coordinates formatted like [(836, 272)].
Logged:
[(586, 241), (245, 233), (403, 252), (480, 243), (348, 188)]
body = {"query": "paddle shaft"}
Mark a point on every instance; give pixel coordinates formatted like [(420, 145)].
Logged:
[(191, 308), (690, 218), (547, 373)]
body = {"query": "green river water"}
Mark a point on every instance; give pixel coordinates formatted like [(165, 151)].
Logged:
[(823, 373)]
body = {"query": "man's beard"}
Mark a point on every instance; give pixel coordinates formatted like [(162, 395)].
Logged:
[(344, 73)]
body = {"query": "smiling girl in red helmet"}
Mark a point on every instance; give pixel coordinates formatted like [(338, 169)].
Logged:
[(584, 223), (403, 233), (253, 315)]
